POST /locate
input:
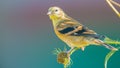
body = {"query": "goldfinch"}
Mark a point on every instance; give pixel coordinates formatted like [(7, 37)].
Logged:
[(73, 33)]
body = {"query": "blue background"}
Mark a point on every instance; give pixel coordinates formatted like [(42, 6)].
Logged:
[(27, 38)]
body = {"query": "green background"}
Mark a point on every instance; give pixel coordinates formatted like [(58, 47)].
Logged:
[(27, 38)]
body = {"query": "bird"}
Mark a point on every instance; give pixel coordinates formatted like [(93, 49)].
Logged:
[(73, 32)]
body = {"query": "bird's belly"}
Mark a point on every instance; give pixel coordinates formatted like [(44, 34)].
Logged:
[(73, 41)]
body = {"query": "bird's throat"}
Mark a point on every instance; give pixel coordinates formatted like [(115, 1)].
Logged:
[(54, 20)]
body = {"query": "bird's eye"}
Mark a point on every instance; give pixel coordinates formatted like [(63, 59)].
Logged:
[(56, 10)]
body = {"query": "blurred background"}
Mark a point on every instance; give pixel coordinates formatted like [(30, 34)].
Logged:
[(27, 38)]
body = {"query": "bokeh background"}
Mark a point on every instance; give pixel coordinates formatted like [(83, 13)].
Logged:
[(27, 38)]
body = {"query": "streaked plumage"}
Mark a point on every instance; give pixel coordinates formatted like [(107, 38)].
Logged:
[(73, 33)]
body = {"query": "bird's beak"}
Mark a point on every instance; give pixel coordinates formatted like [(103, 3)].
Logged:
[(49, 13)]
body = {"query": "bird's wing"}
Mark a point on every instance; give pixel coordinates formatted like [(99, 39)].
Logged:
[(76, 29)]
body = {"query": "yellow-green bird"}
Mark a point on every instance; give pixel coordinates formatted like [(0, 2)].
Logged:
[(73, 33)]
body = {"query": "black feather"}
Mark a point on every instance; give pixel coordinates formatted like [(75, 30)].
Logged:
[(81, 33), (66, 30)]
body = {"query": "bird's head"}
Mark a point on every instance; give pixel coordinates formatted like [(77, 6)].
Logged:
[(55, 13)]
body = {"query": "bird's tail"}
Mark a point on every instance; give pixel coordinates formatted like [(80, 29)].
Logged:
[(108, 42), (109, 46), (112, 42)]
